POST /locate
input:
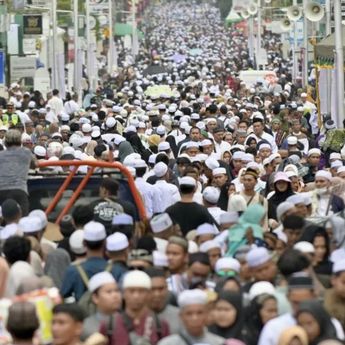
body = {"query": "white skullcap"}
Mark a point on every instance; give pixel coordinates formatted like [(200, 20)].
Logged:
[(187, 181), (304, 247), (164, 146), (238, 155), (139, 163), (122, 219), (110, 122), (219, 171), (338, 266), (303, 94), (100, 279), (160, 130), (40, 151), (237, 203), (264, 146), (191, 297), (192, 247), (160, 222), (86, 128), (283, 208), (206, 142), (323, 174), (206, 229), (292, 140), (249, 158), (160, 169), (152, 159), (227, 264), (68, 150), (76, 242), (159, 259), (41, 215), (211, 163), (296, 199), (336, 164), (341, 169), (211, 194), (228, 217), (257, 257), (291, 173), (261, 288), (116, 242), (335, 155), (314, 152), (118, 139), (206, 246), (94, 231), (136, 279), (192, 144), (30, 224), (10, 230)]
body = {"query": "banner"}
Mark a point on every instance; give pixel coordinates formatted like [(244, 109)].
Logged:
[(2, 67), (98, 6)]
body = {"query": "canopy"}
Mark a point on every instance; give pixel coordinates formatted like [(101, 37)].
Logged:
[(123, 29), (233, 17), (324, 50)]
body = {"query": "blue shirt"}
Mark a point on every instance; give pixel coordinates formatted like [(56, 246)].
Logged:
[(73, 284)]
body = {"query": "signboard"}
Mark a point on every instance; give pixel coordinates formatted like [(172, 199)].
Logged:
[(29, 46), (42, 81), (41, 3), (98, 6), (2, 67), (32, 24), (22, 67)]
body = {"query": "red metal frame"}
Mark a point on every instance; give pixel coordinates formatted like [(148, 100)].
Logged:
[(76, 193)]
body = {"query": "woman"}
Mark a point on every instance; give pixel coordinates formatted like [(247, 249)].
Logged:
[(316, 322), (226, 157), (318, 236), (294, 335), (228, 316), (262, 309), (282, 190), (251, 142), (14, 170), (248, 230)]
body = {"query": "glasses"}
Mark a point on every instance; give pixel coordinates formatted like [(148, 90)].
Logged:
[(139, 268)]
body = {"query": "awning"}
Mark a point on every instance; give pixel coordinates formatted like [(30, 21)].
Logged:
[(324, 50), (123, 29)]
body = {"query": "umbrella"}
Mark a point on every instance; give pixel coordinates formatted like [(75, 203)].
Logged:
[(154, 69), (195, 51), (124, 29), (158, 90), (177, 58)]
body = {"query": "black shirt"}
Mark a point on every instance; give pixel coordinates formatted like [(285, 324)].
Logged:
[(189, 215)]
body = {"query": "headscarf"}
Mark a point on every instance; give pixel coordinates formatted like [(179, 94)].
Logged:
[(250, 219), (276, 199), (338, 187), (235, 330), (338, 228), (293, 332), (315, 308), (253, 319), (19, 271), (56, 264), (125, 149)]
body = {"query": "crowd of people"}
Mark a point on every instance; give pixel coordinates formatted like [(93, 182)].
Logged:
[(243, 186)]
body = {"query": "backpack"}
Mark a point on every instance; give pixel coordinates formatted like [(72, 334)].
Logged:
[(86, 299)]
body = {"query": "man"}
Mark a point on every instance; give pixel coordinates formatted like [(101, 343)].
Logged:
[(293, 229), (313, 162), (109, 205), (221, 180), (193, 314), (56, 103), (187, 213), (261, 266), (137, 323), (148, 192), (67, 324), (300, 288), (324, 202), (210, 197), (250, 179), (117, 249), (177, 254), (196, 275), (107, 298), (159, 300), (220, 145), (260, 134), (334, 301), (168, 192), (76, 279)]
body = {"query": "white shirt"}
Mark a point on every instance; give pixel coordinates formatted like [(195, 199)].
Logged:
[(149, 194), (56, 105), (267, 137), (272, 330), (222, 147), (215, 212), (169, 195)]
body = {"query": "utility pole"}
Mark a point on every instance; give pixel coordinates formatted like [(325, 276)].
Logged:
[(54, 61)]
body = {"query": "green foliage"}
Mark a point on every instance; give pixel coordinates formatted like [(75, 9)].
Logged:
[(64, 5)]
